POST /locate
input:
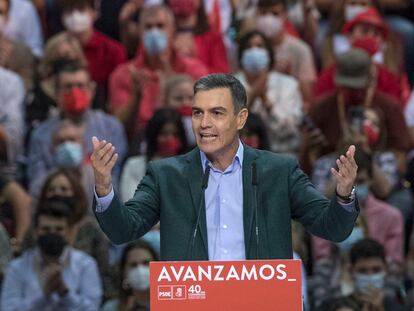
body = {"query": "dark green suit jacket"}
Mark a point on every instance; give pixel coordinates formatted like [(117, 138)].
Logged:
[(171, 192)]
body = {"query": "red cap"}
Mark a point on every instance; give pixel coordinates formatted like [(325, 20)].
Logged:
[(369, 16)]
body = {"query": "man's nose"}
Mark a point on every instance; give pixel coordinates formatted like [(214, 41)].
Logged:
[(205, 121)]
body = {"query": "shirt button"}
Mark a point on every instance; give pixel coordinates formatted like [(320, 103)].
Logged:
[(225, 251), (223, 201), (224, 226)]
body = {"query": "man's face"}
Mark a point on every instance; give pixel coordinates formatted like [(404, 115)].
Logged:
[(4, 8), (48, 224), (67, 81), (368, 266), (79, 20), (160, 20), (215, 123), (68, 134), (276, 10)]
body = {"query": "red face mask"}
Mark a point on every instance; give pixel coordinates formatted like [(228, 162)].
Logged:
[(369, 44), (252, 141), (76, 101), (185, 111), (182, 8), (371, 132), (168, 147)]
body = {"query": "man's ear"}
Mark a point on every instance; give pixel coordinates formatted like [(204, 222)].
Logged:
[(242, 118)]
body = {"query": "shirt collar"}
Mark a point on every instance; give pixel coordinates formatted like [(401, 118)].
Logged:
[(238, 158)]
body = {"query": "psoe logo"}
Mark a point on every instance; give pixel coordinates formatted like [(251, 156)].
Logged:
[(179, 292), (165, 292)]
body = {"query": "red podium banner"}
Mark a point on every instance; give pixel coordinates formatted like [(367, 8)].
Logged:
[(226, 285)]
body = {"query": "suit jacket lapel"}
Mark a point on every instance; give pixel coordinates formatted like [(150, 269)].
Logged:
[(249, 157), (194, 173)]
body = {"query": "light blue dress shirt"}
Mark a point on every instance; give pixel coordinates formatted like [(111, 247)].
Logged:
[(224, 209)]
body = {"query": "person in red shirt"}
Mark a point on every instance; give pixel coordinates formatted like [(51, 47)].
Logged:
[(102, 53), (135, 87), (386, 81), (194, 36)]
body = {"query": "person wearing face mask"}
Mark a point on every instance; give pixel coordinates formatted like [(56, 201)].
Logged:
[(292, 55), (333, 268), (386, 82), (255, 133), (384, 222), (368, 269), (156, 60), (134, 278), (178, 94), (56, 276), (354, 87), (74, 91), (274, 96), (164, 137), (103, 54), (194, 36)]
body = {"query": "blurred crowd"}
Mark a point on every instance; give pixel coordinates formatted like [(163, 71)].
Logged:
[(320, 75)]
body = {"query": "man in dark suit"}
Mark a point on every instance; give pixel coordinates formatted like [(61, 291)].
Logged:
[(223, 200)]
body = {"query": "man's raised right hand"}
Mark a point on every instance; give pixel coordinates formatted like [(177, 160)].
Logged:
[(103, 160)]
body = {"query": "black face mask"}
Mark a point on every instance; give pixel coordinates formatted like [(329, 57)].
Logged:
[(51, 244)]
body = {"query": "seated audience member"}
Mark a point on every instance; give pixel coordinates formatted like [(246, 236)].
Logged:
[(386, 82), (292, 55), (134, 278), (330, 274), (368, 271), (69, 153), (52, 275), (275, 97), (15, 56), (63, 185), (135, 87), (195, 38), (22, 24), (102, 53), (254, 133), (354, 87), (384, 222), (74, 91), (41, 102), (178, 94), (12, 94), (164, 137)]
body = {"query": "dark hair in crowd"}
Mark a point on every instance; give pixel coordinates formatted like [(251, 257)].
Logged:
[(245, 41), (222, 80), (70, 5), (363, 160), (366, 248), (269, 3), (202, 25), (155, 125), (54, 209), (139, 244), (255, 125), (67, 66), (78, 203)]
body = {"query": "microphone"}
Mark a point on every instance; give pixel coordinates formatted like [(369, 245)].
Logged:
[(256, 220), (204, 185)]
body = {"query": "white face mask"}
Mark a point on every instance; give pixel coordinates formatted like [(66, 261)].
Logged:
[(269, 24), (139, 277), (353, 10), (77, 21)]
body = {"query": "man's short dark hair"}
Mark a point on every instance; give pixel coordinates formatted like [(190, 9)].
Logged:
[(364, 160), (67, 66), (365, 249), (70, 5), (270, 3), (54, 209), (222, 80)]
